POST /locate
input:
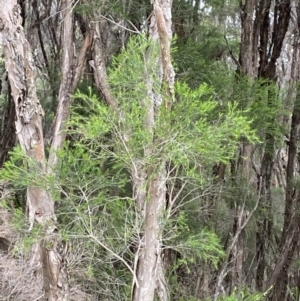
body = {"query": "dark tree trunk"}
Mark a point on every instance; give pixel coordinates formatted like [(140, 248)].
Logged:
[(291, 232), (8, 130), (269, 53)]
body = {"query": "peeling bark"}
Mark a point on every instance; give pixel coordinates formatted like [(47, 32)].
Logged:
[(21, 75), (71, 71), (28, 114), (161, 29), (28, 122), (150, 272), (98, 64), (149, 184)]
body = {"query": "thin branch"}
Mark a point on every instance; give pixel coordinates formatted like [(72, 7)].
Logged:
[(231, 53), (59, 11), (119, 25), (235, 238), (115, 255)]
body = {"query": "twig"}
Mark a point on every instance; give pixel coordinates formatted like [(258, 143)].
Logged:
[(117, 24), (231, 53), (235, 238)]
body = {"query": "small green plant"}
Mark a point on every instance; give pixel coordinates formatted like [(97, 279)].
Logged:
[(244, 295)]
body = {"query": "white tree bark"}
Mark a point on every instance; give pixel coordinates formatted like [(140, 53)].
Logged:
[(151, 184)]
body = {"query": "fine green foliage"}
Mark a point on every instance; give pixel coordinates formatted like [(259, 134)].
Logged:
[(192, 133), (244, 295), (210, 177), (203, 246), (93, 189), (196, 132)]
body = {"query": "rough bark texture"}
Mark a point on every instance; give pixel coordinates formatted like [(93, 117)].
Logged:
[(290, 233), (236, 257), (247, 61), (161, 28), (149, 185), (269, 53), (247, 68), (151, 191), (28, 121), (71, 70), (8, 131), (232, 270), (98, 64), (21, 75), (149, 264)]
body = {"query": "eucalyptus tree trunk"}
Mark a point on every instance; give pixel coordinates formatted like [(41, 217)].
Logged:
[(71, 70), (98, 62), (248, 62), (291, 227), (269, 54), (28, 123), (232, 269), (260, 19), (151, 186)]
